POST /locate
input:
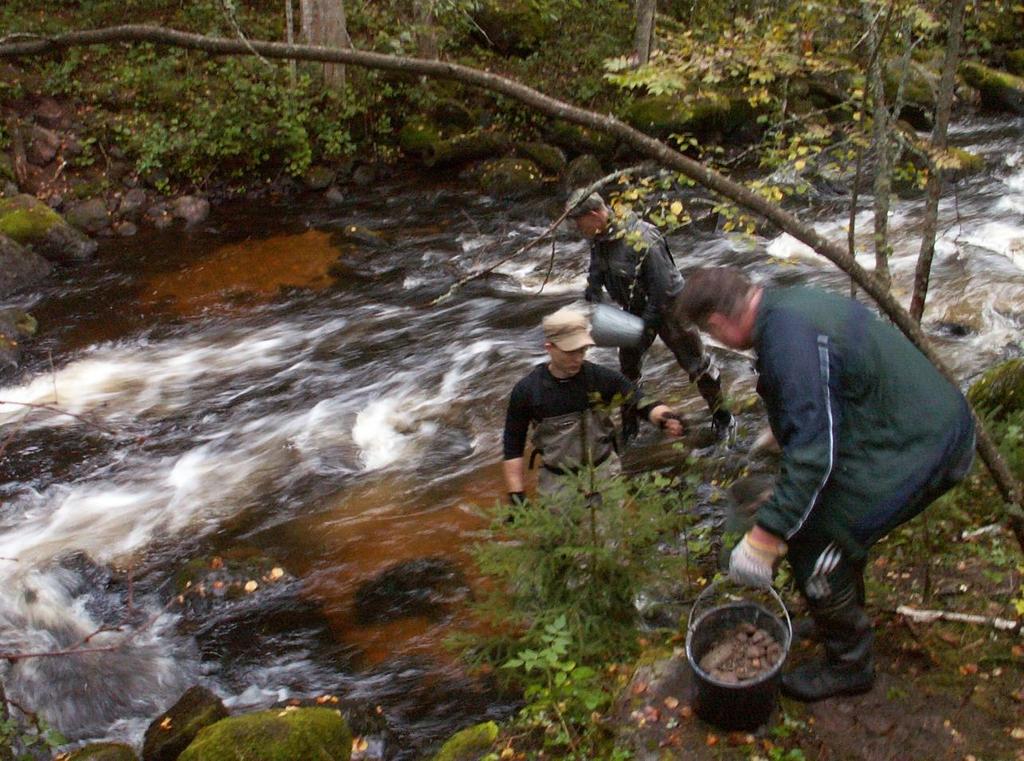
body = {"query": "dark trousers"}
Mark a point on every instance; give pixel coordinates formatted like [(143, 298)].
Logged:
[(685, 343)]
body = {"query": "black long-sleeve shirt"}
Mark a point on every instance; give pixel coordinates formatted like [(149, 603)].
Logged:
[(541, 395)]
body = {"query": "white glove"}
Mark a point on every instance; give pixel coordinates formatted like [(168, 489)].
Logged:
[(752, 562)]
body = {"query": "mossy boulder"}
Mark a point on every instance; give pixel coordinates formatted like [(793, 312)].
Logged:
[(999, 90), (103, 752), (580, 140), (470, 744), (471, 146), (512, 27), (418, 138), (19, 266), (289, 734), (1000, 390), (28, 221), (319, 177), (582, 171), (1015, 62), (550, 158), (710, 116), (172, 731), (510, 178), (919, 88)]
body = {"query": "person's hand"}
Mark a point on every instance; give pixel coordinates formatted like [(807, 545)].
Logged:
[(752, 562), (667, 419)]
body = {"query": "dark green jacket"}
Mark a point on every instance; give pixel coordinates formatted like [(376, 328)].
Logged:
[(863, 418)]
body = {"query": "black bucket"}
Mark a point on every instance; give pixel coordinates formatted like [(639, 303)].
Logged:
[(740, 705)]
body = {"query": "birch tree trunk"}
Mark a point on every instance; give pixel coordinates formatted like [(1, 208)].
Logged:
[(643, 37), (943, 106), (324, 25), (880, 143), (426, 29)]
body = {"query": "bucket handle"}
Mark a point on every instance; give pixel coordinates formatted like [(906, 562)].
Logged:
[(714, 585)]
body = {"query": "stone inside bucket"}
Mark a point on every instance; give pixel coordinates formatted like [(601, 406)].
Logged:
[(735, 705)]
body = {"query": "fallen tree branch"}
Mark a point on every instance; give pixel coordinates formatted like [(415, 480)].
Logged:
[(930, 616), (1009, 486)]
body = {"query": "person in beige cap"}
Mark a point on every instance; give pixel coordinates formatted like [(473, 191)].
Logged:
[(566, 401)]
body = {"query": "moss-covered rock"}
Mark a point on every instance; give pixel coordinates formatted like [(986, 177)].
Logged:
[(290, 734), (550, 158), (1000, 390), (469, 744), (418, 137), (1015, 62), (512, 27), (582, 171), (710, 116), (103, 752), (919, 88), (172, 731), (999, 90), (510, 178), (580, 140), (28, 221), (318, 177), (469, 147)]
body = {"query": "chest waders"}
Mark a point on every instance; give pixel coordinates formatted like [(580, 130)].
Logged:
[(568, 443)]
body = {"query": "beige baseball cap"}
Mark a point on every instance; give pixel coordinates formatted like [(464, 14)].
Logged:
[(567, 329)]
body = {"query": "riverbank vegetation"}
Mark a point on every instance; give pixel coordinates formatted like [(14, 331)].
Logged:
[(801, 98)]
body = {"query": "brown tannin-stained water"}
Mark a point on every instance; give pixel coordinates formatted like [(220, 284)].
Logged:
[(275, 384)]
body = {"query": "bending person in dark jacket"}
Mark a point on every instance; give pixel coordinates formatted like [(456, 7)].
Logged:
[(565, 399), (871, 433), (629, 259)]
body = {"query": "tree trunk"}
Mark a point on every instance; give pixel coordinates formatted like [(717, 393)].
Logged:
[(643, 37), (880, 144), (289, 37), (324, 25), (943, 106), (426, 29), (1008, 485)]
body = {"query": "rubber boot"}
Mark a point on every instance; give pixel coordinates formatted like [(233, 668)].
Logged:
[(848, 666)]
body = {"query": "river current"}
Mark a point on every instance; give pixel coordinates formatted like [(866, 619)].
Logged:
[(277, 384)]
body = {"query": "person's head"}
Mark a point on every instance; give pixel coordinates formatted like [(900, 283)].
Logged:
[(589, 213), (566, 340), (720, 301)]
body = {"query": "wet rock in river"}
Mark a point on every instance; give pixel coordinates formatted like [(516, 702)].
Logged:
[(30, 222), (741, 654), (172, 731), (19, 266), (91, 215), (192, 209), (422, 587), (42, 145)]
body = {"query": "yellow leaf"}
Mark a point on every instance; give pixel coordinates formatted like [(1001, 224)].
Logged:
[(276, 573), (251, 586), (799, 164), (166, 723), (676, 208), (359, 744)]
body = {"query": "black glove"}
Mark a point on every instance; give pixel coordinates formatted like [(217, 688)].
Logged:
[(517, 498)]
